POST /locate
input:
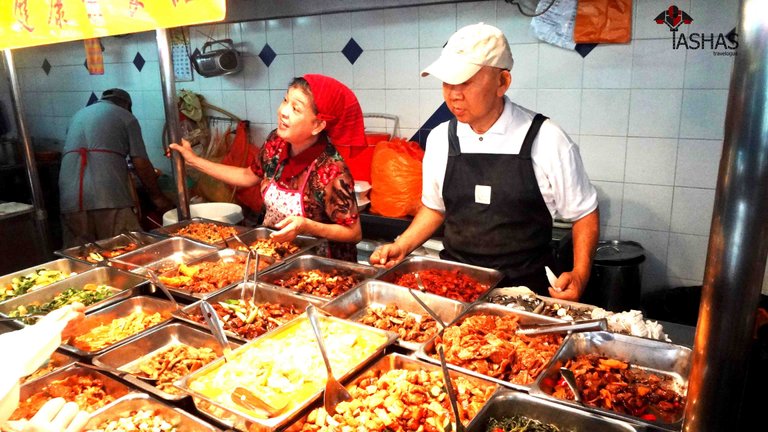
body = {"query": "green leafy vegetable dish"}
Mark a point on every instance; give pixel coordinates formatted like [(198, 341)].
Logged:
[(38, 278), (87, 295), (519, 423)]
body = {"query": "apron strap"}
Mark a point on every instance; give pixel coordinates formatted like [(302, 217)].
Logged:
[(533, 131), (83, 152), (454, 149)]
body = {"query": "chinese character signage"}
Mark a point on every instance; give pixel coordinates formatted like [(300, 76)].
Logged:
[(26, 23)]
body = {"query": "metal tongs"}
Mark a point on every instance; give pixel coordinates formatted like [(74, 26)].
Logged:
[(159, 284), (575, 327), (245, 275), (216, 327), (164, 289)]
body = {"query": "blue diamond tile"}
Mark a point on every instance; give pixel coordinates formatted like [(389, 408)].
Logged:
[(46, 67), (139, 62), (267, 55), (352, 51), (93, 99)]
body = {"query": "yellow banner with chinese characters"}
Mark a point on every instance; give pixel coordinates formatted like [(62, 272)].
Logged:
[(25, 23)]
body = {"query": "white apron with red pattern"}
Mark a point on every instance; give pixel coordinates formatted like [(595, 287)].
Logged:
[(281, 202)]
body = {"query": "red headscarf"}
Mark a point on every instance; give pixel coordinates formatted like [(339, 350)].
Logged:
[(337, 105)]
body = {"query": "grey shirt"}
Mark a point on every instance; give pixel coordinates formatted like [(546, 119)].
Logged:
[(101, 126)]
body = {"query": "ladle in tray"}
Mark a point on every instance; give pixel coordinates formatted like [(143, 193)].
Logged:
[(426, 308), (570, 379), (334, 391), (248, 400), (451, 392)]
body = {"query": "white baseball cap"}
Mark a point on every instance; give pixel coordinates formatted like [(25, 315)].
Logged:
[(468, 50)]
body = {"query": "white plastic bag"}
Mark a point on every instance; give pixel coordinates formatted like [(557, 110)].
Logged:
[(556, 25)]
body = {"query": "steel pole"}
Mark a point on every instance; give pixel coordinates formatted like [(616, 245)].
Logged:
[(41, 215), (172, 120), (738, 242)]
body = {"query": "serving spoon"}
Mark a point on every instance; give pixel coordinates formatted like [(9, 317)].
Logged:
[(570, 379), (426, 308), (451, 392), (334, 391)]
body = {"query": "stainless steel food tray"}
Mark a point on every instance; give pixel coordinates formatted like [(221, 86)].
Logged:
[(232, 416), (62, 265), (568, 303), (311, 262), (224, 256), (120, 240), (662, 358), (123, 284), (123, 359), (307, 244), (112, 386), (511, 292), (146, 304), (353, 304), (165, 253), (486, 276), (169, 230), (128, 404), (58, 360), (507, 403), (387, 363), (525, 318), (263, 294)]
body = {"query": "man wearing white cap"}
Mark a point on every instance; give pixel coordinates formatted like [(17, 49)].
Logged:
[(498, 174)]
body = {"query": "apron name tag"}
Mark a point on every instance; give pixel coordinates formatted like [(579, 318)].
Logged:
[(482, 194)]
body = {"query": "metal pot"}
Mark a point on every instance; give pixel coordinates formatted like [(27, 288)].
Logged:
[(615, 283)]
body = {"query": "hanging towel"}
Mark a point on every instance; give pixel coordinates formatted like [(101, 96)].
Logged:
[(94, 56)]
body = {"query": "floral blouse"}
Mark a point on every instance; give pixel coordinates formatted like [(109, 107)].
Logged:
[(329, 195)]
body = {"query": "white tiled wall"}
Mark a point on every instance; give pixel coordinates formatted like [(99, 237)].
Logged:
[(648, 119)]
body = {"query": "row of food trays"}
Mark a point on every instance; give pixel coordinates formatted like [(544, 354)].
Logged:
[(382, 344)]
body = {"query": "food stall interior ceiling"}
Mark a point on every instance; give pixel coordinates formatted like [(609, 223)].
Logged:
[(648, 119), (246, 10)]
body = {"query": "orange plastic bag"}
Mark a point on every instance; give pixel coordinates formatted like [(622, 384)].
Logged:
[(603, 21), (243, 154), (396, 178)]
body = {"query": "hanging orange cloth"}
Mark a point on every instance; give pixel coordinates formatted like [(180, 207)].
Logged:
[(94, 56), (243, 154), (603, 21)]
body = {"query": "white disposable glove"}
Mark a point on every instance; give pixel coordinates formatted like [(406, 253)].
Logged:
[(56, 415)]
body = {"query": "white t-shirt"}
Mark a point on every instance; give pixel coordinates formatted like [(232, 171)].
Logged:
[(563, 182)]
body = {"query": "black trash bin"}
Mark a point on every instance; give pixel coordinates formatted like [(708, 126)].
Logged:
[(615, 283)]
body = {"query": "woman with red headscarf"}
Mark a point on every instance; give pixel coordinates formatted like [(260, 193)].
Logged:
[(307, 187)]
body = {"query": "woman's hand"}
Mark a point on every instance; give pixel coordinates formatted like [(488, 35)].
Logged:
[(289, 228), (185, 150)]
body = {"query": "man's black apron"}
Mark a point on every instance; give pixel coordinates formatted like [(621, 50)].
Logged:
[(508, 229)]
